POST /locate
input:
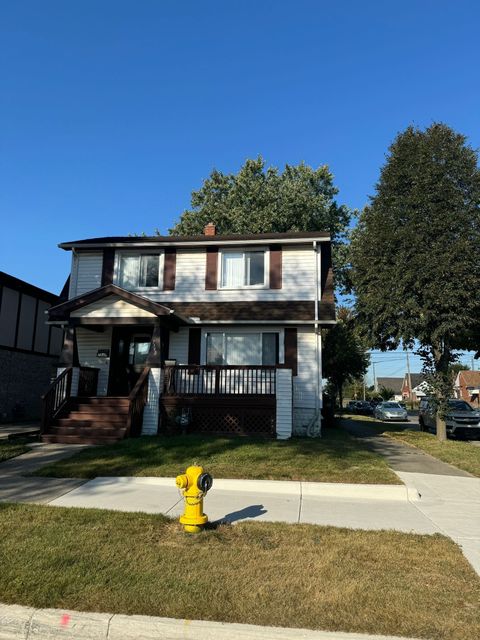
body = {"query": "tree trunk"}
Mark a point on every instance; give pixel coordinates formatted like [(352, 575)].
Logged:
[(340, 396), (441, 428)]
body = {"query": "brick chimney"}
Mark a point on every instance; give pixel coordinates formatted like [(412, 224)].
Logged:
[(210, 229)]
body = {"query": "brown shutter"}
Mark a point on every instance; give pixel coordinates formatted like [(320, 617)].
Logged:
[(291, 350), (169, 269), (108, 266), (211, 268), (275, 267), (194, 344)]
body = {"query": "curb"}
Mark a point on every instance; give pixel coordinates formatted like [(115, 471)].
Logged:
[(338, 490), (26, 623)]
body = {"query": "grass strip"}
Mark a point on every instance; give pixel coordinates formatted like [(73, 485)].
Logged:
[(308, 576), (11, 450), (336, 457)]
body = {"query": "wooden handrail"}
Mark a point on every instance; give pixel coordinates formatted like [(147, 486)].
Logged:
[(136, 404), (56, 397), (219, 380)]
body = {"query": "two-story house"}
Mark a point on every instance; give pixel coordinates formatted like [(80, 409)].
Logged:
[(218, 332)]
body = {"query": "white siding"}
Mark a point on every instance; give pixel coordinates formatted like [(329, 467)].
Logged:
[(150, 412), (89, 342), (284, 404), (86, 272), (111, 307), (305, 383), (298, 280)]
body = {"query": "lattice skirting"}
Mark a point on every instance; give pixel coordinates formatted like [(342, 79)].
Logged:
[(235, 417)]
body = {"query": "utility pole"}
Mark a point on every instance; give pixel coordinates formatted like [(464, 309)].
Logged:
[(364, 390), (374, 378), (473, 363), (409, 382)]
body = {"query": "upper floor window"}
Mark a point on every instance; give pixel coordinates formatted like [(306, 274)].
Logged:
[(243, 269), (138, 270)]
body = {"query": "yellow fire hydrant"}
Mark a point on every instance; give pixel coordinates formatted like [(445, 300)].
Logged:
[(195, 484)]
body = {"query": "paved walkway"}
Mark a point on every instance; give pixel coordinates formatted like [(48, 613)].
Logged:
[(26, 623), (400, 456), (16, 487), (20, 428)]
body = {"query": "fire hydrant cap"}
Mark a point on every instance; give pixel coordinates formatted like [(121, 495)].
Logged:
[(182, 481)]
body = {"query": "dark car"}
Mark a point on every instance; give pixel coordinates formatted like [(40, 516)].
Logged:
[(461, 420), (364, 408)]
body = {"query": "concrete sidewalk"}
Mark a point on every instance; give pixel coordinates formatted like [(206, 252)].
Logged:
[(25, 623), (449, 505)]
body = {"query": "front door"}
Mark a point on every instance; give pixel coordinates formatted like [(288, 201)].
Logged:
[(130, 347)]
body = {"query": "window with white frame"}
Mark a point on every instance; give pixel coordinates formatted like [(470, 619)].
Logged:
[(242, 348), (138, 270), (243, 269)]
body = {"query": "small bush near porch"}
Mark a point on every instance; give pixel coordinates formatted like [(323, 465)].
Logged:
[(381, 582), (336, 457)]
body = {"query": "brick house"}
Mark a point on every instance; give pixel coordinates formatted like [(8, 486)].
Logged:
[(467, 387), (29, 347)]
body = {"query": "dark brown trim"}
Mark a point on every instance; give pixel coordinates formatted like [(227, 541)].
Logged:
[(24, 287), (326, 276), (69, 354), (60, 311), (108, 266), (17, 321), (291, 352), (211, 271), (65, 290), (169, 268), (275, 266), (194, 345), (34, 334), (154, 358), (28, 352)]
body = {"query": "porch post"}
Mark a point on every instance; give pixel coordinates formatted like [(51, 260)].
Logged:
[(283, 398), (154, 359), (69, 358)]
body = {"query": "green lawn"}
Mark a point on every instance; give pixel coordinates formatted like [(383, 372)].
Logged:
[(336, 457), (379, 582), (11, 449)]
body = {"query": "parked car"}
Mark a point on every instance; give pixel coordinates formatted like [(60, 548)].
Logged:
[(364, 408), (461, 420), (390, 411), (352, 406)]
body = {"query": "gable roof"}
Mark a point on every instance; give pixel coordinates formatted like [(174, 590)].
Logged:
[(395, 384), (469, 378), (291, 237), (63, 310), (417, 379)]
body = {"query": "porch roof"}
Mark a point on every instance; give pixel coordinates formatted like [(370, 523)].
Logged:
[(137, 310)]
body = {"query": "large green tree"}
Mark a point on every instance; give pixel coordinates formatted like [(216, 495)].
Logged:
[(416, 253), (262, 200), (343, 356)]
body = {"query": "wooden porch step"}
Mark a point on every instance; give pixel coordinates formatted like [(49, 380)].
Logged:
[(97, 422), (104, 401), (99, 410), (114, 416), (88, 431)]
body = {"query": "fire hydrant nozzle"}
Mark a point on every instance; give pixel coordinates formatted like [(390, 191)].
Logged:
[(195, 484)]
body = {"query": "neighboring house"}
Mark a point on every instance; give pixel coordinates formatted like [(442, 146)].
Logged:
[(220, 332), (467, 387), (29, 348), (419, 387), (395, 384)]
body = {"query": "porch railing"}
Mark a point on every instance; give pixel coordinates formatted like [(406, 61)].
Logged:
[(56, 397), (219, 380), (87, 382), (136, 404)]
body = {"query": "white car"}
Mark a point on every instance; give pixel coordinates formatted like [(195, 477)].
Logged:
[(390, 411)]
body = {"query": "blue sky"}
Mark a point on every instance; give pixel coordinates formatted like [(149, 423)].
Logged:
[(111, 112)]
